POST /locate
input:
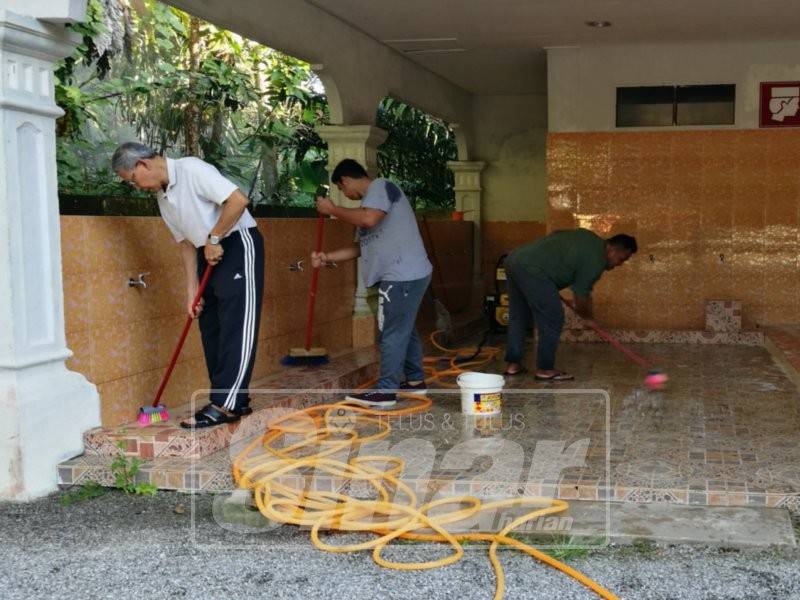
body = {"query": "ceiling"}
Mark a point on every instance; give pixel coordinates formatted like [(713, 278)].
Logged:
[(496, 46)]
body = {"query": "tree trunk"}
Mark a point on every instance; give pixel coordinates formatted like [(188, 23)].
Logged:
[(192, 114), (269, 173), (218, 128)]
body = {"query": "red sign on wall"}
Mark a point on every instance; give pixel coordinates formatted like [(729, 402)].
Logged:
[(780, 104)]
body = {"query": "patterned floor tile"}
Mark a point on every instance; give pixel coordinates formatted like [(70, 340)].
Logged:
[(730, 440)]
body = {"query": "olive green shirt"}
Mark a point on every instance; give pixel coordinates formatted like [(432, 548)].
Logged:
[(572, 257)]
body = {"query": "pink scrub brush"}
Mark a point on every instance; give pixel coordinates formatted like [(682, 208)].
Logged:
[(655, 378)]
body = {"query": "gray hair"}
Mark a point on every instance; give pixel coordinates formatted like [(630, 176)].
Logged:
[(128, 154)]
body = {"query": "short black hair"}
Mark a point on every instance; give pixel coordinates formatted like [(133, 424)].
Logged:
[(348, 168), (624, 241)]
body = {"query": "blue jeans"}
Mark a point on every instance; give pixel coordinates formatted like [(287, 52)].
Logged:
[(532, 298), (401, 348)]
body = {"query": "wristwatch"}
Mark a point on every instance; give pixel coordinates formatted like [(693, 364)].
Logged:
[(213, 239)]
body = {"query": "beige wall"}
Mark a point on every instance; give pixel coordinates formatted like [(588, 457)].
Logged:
[(510, 136), (582, 82)]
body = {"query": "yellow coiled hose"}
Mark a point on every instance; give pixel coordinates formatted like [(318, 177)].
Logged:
[(303, 443)]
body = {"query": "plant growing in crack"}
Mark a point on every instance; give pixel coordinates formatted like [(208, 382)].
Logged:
[(87, 491), (125, 470)]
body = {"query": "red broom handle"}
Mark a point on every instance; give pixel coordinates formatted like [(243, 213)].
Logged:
[(186, 327), (312, 291), (614, 341)]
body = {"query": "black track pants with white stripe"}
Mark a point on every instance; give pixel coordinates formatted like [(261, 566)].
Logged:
[(230, 317)]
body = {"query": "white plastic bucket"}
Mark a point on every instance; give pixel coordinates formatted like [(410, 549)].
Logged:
[(481, 393)]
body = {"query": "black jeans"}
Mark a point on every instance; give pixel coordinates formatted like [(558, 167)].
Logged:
[(537, 298)]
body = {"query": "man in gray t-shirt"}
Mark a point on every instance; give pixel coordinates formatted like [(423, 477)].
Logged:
[(394, 258)]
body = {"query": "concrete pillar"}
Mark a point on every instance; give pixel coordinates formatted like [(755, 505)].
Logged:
[(468, 198), (359, 142), (44, 408)]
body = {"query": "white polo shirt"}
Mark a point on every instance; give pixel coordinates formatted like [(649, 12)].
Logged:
[(192, 202)]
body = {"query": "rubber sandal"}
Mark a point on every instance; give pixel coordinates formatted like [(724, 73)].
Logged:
[(210, 416), (520, 371), (559, 376)]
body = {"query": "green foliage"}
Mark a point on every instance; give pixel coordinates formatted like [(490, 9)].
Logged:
[(69, 96), (415, 154), (80, 174), (88, 491), (559, 546), (125, 470), (254, 109)]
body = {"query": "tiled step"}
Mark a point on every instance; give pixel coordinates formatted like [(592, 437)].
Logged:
[(624, 520), (168, 440), (213, 473), (783, 342)]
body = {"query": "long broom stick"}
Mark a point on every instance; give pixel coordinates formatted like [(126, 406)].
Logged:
[(157, 412)]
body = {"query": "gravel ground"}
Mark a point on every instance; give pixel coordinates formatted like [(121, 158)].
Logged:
[(119, 546)]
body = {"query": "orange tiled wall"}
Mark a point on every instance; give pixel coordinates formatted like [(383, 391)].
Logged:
[(501, 237), (122, 337), (715, 214), (449, 247)]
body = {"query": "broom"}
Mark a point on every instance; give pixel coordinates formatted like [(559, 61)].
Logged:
[(157, 412), (308, 356)]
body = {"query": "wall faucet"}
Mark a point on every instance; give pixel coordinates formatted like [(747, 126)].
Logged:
[(138, 282)]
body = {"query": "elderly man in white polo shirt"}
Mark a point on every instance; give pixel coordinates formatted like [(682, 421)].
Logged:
[(207, 214)]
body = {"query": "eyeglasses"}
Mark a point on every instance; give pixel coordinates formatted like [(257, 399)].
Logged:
[(132, 181)]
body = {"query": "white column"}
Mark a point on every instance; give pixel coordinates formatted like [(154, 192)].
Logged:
[(44, 408), (468, 198), (359, 142)]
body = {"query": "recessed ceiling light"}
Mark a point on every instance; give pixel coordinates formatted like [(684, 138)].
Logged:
[(599, 24)]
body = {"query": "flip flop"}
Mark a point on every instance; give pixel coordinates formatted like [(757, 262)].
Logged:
[(520, 371), (558, 376), (210, 415)]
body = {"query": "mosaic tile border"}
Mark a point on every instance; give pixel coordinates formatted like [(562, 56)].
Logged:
[(190, 476), (655, 336)]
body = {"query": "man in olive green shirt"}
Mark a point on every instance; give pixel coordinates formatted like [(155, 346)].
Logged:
[(536, 272)]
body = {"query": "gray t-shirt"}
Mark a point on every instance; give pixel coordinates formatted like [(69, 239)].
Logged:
[(393, 249)]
